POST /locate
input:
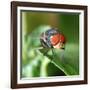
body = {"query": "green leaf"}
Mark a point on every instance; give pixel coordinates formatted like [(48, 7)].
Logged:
[(66, 60)]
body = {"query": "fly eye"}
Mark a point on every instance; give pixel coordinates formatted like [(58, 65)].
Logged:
[(55, 39), (62, 39)]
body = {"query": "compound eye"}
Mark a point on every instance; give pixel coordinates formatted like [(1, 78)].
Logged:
[(62, 38), (55, 39)]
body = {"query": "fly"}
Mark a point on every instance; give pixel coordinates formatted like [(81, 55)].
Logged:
[(52, 38)]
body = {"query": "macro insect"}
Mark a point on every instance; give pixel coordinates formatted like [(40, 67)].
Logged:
[(52, 38)]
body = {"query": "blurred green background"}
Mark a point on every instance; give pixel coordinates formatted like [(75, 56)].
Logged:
[(34, 61)]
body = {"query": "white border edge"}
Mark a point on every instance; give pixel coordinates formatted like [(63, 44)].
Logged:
[(81, 38)]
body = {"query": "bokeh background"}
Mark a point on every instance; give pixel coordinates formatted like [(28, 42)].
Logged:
[(34, 61)]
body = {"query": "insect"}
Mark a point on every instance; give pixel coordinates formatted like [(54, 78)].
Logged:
[(52, 38)]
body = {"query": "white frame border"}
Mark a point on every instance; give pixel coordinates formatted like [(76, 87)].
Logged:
[(81, 48)]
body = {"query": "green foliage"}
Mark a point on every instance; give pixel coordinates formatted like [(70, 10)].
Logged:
[(66, 60)]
